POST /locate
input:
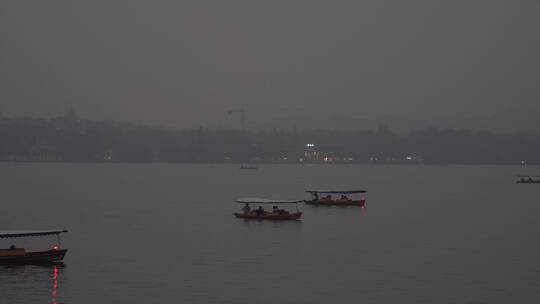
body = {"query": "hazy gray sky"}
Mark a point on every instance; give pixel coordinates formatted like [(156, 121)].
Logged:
[(186, 63)]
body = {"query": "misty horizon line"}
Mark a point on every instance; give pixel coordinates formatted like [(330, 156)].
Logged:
[(70, 139)]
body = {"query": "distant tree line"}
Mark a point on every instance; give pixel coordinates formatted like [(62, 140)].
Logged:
[(70, 139)]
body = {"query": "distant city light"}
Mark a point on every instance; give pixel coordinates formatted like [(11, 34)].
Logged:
[(310, 145)]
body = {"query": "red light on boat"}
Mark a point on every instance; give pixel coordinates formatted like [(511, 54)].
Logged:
[(55, 247)]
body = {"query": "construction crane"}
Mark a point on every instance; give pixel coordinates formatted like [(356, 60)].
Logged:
[(242, 112)]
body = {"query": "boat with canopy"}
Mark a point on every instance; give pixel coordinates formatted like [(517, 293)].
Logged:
[(16, 255), (276, 214), (345, 198), (527, 179)]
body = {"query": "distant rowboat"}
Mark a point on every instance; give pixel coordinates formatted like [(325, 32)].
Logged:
[(527, 179), (248, 167)]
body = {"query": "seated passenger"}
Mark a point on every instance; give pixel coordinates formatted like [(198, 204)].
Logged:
[(260, 211), (275, 209), (246, 209)]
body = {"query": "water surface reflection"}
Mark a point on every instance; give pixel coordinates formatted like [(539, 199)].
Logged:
[(31, 283)]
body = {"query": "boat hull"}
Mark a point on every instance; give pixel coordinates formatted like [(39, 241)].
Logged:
[(274, 217), (38, 257), (361, 203)]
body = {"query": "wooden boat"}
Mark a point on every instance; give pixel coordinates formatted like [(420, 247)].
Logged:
[(260, 214), (14, 255), (527, 179), (324, 198), (269, 216)]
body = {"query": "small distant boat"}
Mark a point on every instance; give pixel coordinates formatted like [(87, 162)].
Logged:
[(324, 198), (276, 214), (248, 167), (527, 179), (15, 255)]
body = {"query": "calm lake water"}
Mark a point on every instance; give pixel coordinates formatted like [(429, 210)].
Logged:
[(164, 233)]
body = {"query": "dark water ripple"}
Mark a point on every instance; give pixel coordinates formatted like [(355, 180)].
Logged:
[(165, 233)]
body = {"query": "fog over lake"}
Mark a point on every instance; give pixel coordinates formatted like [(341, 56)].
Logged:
[(347, 64), (136, 125)]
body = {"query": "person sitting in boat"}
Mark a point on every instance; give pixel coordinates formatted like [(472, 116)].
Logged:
[(275, 209), (12, 247), (327, 198), (246, 209), (260, 211), (344, 197)]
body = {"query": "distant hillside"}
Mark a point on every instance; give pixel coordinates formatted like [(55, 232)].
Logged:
[(71, 139)]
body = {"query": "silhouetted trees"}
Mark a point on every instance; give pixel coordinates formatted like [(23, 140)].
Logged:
[(71, 139)]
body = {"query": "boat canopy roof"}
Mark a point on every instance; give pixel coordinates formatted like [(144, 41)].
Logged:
[(336, 192), (27, 233), (528, 176), (256, 200)]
